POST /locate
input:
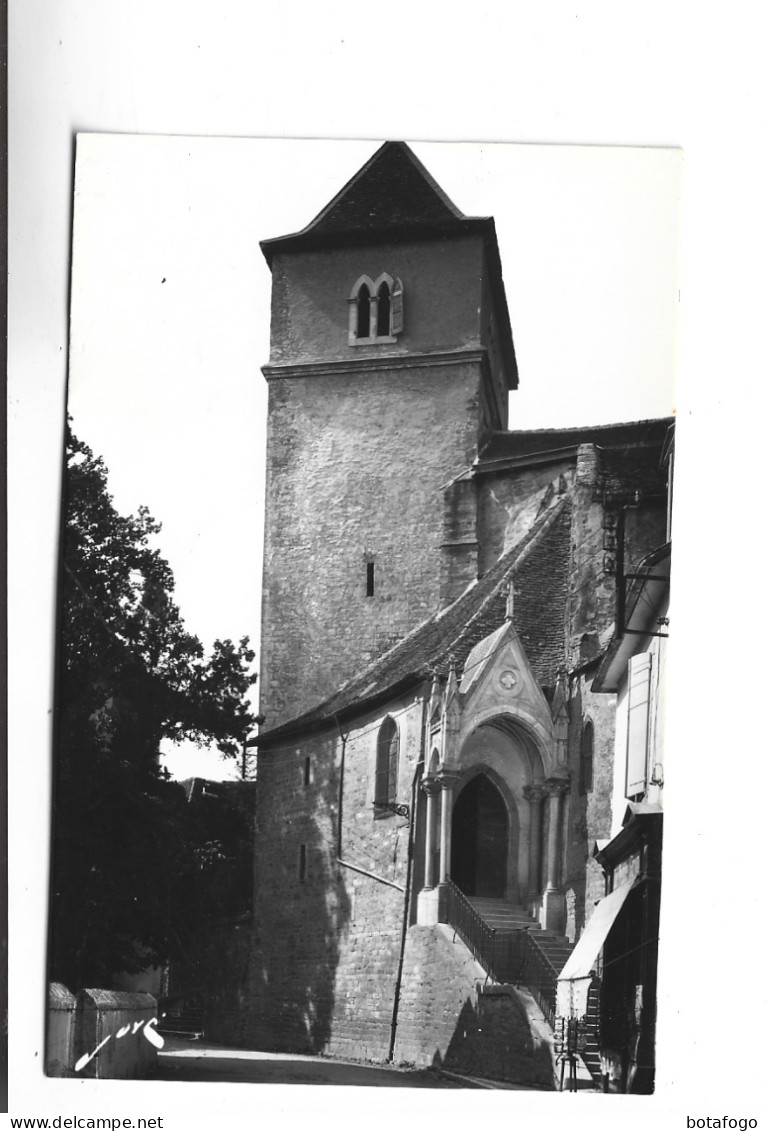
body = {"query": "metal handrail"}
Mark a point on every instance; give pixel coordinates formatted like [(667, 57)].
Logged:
[(500, 953), (511, 956), (542, 978)]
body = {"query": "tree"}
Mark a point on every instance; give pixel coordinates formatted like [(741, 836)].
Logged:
[(129, 677)]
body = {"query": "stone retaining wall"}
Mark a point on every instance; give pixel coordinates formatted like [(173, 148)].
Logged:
[(449, 1017)]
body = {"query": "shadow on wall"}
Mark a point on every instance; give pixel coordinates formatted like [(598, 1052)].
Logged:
[(495, 1039), (302, 905)]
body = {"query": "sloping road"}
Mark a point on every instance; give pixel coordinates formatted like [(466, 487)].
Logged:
[(200, 1060)]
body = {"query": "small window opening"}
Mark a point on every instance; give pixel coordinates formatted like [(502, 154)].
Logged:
[(302, 863), (371, 570), (387, 769), (384, 311), (307, 771), (363, 312)]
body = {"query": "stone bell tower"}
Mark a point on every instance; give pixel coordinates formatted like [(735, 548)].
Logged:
[(391, 360)]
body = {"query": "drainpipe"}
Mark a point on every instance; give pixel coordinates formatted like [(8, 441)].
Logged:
[(343, 738), (408, 886)]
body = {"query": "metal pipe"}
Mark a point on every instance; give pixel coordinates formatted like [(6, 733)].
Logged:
[(408, 884)]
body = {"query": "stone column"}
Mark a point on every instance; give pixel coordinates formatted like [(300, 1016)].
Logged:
[(553, 897), (447, 780), (430, 788), (428, 896), (534, 795)]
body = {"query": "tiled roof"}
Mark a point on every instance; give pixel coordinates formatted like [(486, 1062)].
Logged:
[(540, 595), (392, 195), (514, 445), (393, 188), (538, 564)]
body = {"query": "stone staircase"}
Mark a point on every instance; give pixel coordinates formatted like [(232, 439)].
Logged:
[(504, 916)]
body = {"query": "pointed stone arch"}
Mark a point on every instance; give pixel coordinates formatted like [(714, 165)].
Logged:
[(534, 734)]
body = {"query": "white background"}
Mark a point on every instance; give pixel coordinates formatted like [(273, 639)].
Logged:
[(660, 74)]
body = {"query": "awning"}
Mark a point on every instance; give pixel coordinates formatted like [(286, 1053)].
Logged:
[(574, 981)]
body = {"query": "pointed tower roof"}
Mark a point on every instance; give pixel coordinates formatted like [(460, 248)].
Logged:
[(392, 198)]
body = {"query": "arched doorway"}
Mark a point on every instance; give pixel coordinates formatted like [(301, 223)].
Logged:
[(480, 840)]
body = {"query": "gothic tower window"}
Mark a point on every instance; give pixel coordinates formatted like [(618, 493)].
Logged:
[(375, 310), (387, 767)]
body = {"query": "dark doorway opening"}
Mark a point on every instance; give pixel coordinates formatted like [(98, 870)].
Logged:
[(480, 843)]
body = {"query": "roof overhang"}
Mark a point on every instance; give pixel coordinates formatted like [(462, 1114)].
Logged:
[(640, 819), (533, 459), (311, 723)]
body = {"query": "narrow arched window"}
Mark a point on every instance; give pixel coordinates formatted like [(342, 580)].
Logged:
[(384, 311), (387, 767), (375, 310), (363, 312), (587, 757)]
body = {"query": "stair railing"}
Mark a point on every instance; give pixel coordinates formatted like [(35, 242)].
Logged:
[(500, 953), (511, 956), (540, 977)]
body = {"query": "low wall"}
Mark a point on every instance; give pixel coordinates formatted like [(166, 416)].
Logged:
[(60, 1034), (115, 1035), (450, 1018)]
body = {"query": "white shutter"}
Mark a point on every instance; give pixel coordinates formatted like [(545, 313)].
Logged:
[(638, 723), (397, 311)]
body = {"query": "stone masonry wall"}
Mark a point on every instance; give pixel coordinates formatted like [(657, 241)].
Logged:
[(590, 813), (592, 586), (311, 289), (448, 1017), (355, 470), (509, 502), (323, 970), (357, 460)]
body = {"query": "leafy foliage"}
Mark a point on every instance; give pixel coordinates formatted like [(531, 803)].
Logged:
[(130, 676)]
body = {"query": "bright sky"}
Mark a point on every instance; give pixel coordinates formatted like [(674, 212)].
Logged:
[(170, 317)]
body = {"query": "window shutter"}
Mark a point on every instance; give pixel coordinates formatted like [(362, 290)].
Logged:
[(638, 723), (397, 312)]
